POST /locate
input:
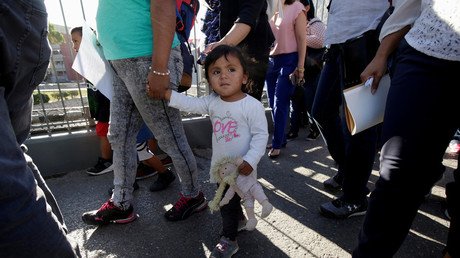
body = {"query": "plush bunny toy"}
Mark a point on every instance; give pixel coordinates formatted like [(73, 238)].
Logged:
[(248, 188)]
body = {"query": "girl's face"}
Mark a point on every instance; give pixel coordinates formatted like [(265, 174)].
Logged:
[(226, 77), (76, 40)]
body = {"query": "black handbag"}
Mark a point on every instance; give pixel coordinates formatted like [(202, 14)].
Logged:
[(314, 61), (357, 53)]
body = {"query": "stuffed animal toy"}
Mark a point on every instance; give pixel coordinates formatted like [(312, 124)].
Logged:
[(225, 171)]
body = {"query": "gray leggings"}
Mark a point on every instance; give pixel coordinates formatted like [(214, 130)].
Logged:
[(131, 106)]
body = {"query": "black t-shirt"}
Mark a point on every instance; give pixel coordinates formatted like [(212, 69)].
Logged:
[(253, 13)]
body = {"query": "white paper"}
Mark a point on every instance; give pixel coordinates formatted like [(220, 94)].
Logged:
[(92, 65), (364, 110)]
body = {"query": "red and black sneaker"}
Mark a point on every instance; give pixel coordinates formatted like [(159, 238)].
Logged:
[(109, 213), (185, 207)]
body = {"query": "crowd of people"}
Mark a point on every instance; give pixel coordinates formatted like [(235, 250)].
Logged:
[(253, 43)]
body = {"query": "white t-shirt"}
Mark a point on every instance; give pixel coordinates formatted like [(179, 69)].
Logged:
[(239, 128)]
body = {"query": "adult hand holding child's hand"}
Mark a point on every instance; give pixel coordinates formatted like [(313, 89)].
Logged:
[(157, 84)]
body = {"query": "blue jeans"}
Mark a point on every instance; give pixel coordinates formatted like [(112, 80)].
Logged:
[(422, 101), (354, 154), (280, 90), (130, 107), (31, 224)]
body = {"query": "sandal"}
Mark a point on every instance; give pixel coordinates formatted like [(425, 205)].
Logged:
[(274, 153), (270, 146)]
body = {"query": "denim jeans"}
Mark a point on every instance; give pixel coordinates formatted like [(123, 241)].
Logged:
[(130, 107), (421, 111), (31, 224), (280, 90), (354, 154)]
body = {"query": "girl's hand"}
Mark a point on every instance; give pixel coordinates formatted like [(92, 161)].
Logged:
[(245, 169)]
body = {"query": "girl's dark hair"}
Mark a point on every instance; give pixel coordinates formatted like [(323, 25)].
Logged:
[(289, 2), (225, 51), (311, 12), (77, 29)]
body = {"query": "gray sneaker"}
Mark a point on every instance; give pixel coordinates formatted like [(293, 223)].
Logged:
[(224, 249), (339, 209)]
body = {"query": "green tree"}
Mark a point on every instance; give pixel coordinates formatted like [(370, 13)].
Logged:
[(38, 99), (73, 94), (54, 36)]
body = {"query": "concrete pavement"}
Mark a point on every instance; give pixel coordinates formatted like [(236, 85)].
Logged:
[(293, 183)]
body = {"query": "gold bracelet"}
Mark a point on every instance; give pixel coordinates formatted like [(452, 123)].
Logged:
[(159, 73), (300, 69)]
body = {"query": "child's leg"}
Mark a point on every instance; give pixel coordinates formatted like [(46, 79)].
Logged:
[(231, 214), (102, 129)]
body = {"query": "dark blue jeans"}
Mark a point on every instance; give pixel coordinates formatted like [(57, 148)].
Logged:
[(421, 111), (354, 154), (31, 224), (280, 90)]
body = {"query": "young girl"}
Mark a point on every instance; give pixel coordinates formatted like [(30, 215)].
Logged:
[(239, 128)]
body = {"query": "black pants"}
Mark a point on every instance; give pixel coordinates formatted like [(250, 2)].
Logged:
[(231, 214), (453, 207), (257, 70), (421, 111), (354, 154)]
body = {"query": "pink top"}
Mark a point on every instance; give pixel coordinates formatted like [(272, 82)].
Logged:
[(284, 29)]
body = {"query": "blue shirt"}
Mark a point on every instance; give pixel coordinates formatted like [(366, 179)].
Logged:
[(124, 28)]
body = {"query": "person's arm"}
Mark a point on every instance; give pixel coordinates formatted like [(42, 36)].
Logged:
[(235, 35), (246, 21), (300, 36), (394, 29), (163, 17), (197, 105), (378, 66), (259, 131)]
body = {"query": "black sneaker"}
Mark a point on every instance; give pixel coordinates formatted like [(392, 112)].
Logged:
[(163, 181), (102, 166), (144, 171), (339, 209), (333, 183), (185, 207), (313, 135), (109, 213), (135, 186)]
